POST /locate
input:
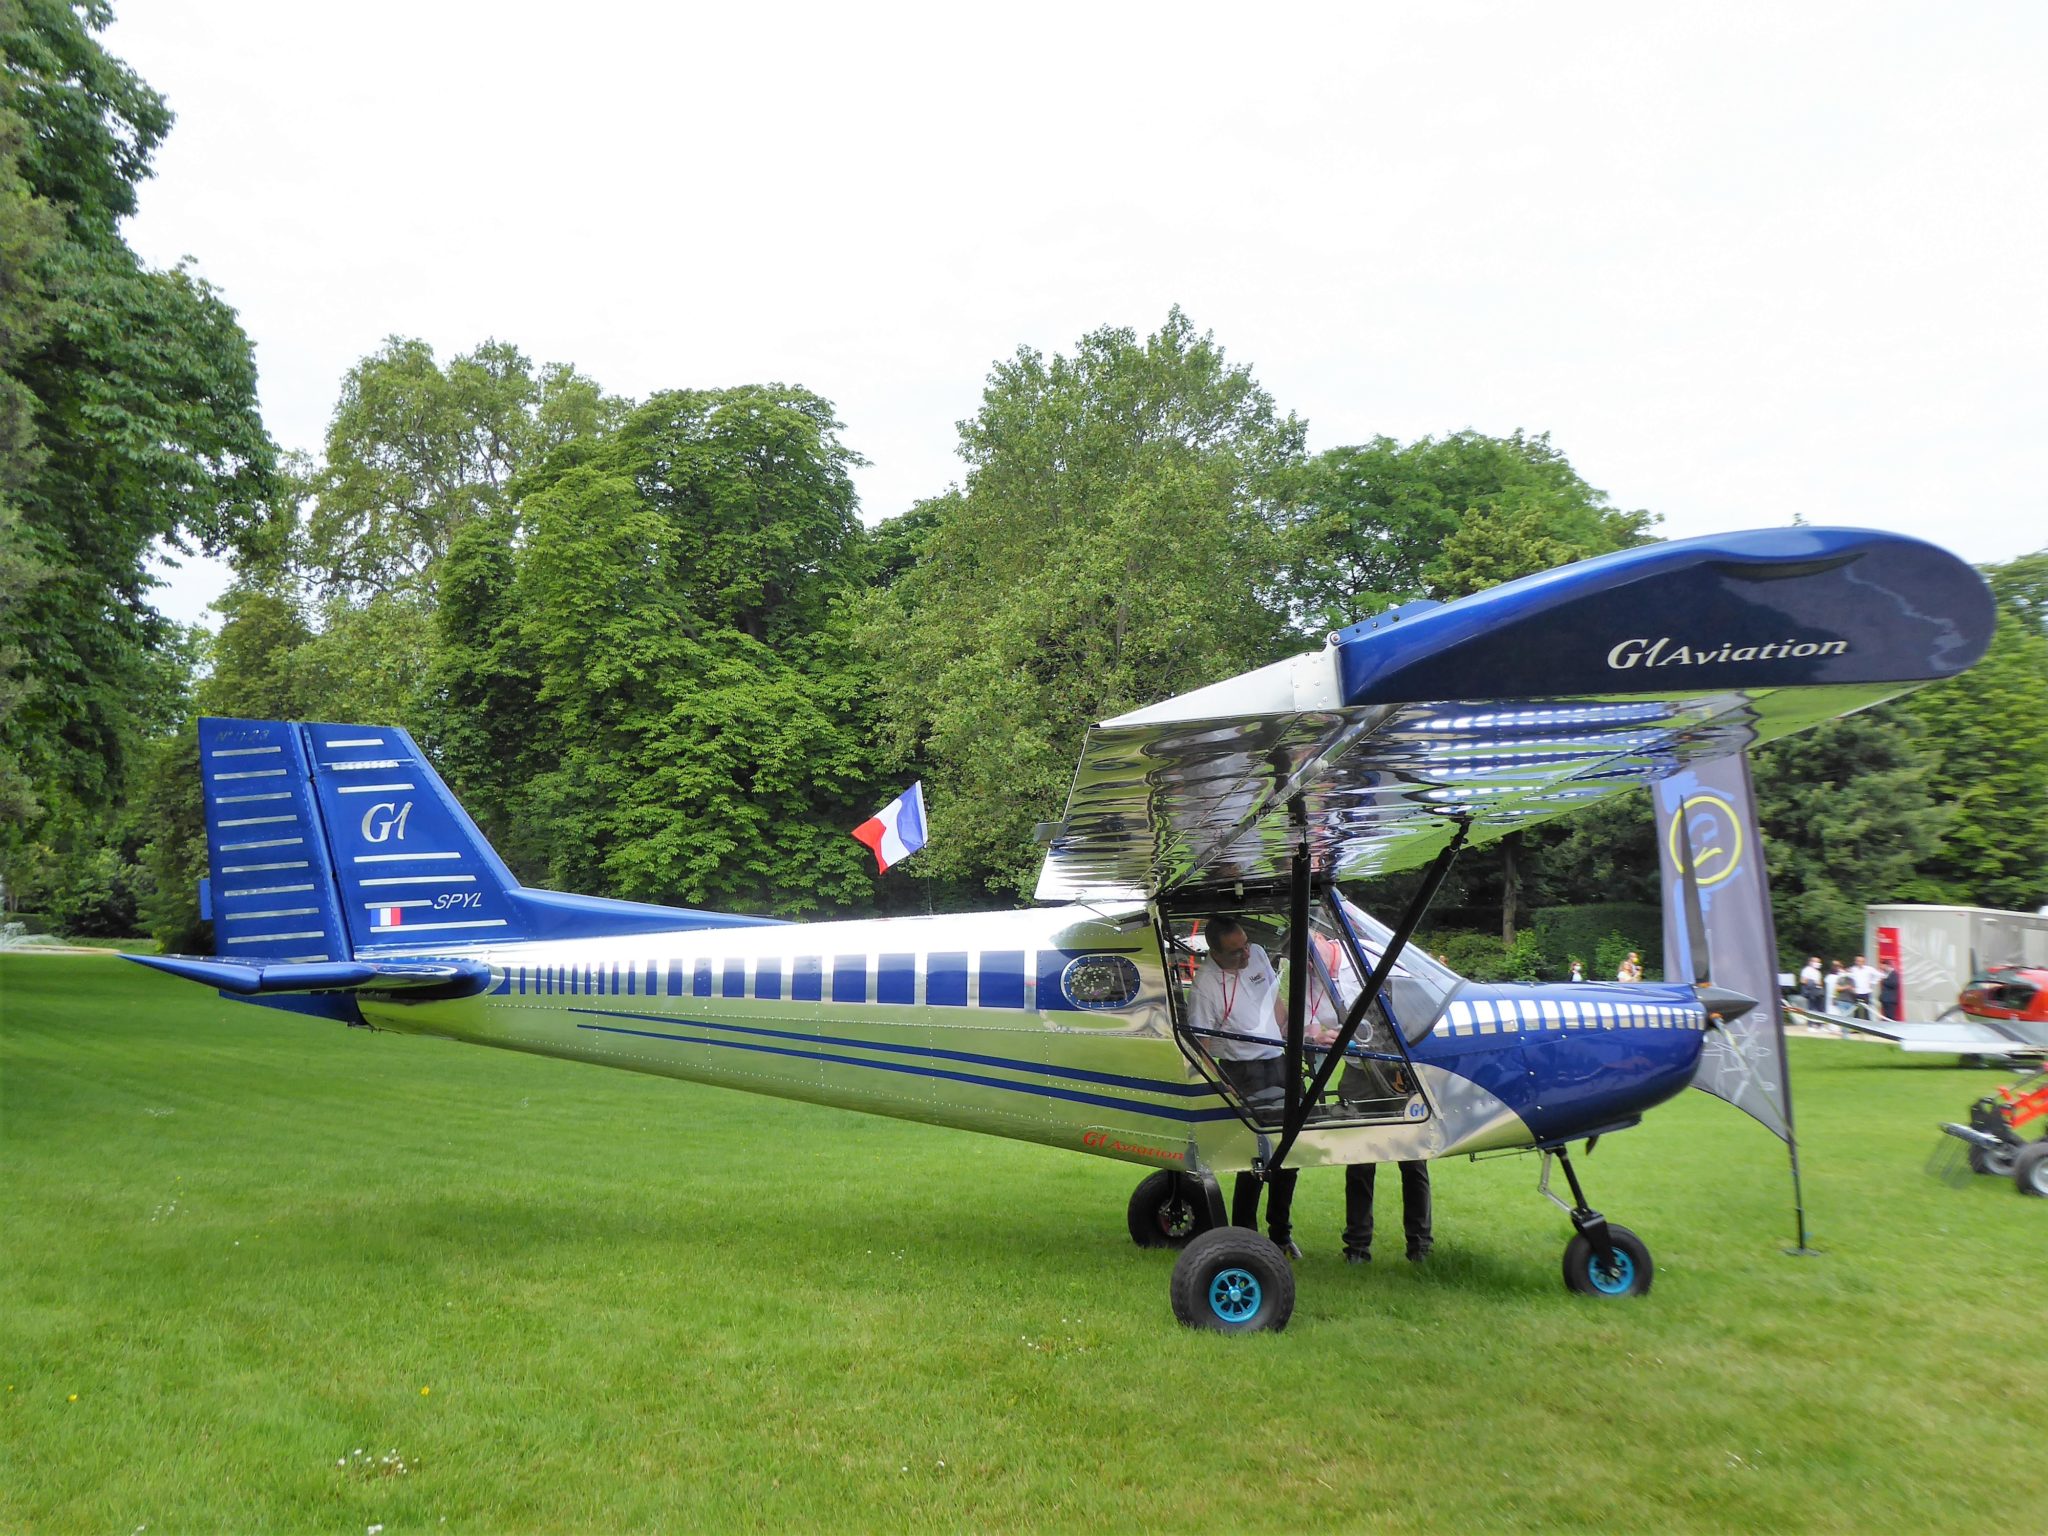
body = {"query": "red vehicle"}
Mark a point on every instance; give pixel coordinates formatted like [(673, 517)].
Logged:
[(2008, 994)]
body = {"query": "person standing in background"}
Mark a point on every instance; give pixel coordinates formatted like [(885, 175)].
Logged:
[(1812, 983)]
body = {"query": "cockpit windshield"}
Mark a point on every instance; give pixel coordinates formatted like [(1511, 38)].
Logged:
[(1419, 985)]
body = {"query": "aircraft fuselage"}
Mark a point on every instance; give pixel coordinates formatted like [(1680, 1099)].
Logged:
[(964, 1021)]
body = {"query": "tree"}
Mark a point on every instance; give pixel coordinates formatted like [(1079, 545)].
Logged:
[(1116, 541), (1441, 518), (2021, 587), (415, 452), (487, 684), (1990, 769), (694, 736), (1848, 820), (127, 413)]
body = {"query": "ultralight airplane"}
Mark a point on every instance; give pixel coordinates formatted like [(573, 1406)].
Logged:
[(346, 883)]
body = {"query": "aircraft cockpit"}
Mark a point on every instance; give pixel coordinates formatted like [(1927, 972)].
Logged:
[(1229, 964)]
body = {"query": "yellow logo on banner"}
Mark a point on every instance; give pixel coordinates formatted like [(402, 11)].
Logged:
[(1719, 853)]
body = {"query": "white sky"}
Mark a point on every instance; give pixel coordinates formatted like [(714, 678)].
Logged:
[(1743, 262)]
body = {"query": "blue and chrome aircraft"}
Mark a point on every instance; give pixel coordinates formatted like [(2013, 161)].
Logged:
[(346, 883)]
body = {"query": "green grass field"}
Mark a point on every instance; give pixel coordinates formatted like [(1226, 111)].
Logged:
[(250, 1259)]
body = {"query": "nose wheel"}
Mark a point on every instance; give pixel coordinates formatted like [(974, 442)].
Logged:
[(1602, 1259)]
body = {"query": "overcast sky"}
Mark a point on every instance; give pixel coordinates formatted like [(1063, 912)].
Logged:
[(1742, 262)]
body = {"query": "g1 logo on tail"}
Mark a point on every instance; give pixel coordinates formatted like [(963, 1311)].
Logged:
[(385, 820)]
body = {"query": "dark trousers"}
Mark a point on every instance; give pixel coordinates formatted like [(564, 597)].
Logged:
[(1244, 1204), (1358, 1181)]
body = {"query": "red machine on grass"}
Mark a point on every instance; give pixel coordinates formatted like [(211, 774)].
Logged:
[(1998, 1136)]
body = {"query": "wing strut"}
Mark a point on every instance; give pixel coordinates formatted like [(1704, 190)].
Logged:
[(1298, 1103), (1298, 899)]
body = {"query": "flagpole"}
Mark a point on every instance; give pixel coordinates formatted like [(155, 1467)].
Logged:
[(1802, 1250)]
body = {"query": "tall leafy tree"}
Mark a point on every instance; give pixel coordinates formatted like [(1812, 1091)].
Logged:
[(144, 416), (1990, 769), (693, 737), (416, 451), (127, 416), (1849, 820), (486, 684), (1383, 522), (1117, 540)]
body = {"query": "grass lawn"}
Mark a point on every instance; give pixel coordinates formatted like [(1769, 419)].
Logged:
[(251, 1264)]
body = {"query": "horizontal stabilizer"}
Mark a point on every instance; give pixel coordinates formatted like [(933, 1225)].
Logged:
[(446, 978)]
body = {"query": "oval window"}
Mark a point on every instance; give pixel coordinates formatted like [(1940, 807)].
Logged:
[(1100, 981)]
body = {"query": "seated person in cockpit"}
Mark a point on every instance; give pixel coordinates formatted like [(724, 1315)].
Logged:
[(1232, 1013)]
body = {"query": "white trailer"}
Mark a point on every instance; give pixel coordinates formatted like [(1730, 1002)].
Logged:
[(1938, 949)]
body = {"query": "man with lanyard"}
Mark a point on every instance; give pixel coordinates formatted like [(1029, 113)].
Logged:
[(1232, 1012), (1336, 986)]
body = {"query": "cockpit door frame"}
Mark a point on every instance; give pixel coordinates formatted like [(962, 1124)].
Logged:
[(1376, 980)]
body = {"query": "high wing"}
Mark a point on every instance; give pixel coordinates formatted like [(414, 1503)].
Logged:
[(1507, 708)]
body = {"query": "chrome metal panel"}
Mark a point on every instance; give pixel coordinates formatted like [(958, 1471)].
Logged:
[(956, 1021)]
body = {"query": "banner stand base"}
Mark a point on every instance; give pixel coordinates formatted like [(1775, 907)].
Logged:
[(1804, 1253)]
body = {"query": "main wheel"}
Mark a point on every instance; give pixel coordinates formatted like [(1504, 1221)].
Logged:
[(1233, 1281), (1628, 1275), (2030, 1169), (1997, 1161), (1165, 1213)]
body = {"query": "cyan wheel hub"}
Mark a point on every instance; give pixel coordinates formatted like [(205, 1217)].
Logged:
[(1234, 1295), (1616, 1278)]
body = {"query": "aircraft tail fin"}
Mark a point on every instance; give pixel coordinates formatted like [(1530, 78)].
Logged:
[(329, 843)]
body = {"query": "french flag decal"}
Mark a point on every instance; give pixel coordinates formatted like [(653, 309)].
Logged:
[(896, 831), (386, 917)]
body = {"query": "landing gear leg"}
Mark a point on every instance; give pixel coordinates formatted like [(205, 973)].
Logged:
[(1602, 1259)]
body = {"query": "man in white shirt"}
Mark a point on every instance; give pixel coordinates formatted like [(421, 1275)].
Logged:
[(1811, 983), (1233, 1013), (1863, 980)]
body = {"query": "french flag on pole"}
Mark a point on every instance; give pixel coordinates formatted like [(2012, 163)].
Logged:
[(896, 831)]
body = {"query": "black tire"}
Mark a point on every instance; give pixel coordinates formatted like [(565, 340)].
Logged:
[(1630, 1274), (1997, 1161), (2030, 1169), (1167, 1211), (1232, 1280)]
